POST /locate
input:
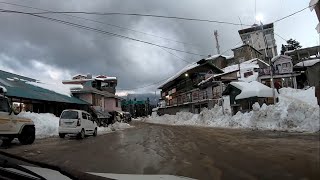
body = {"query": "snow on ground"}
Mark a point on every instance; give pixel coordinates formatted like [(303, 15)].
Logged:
[(114, 127), (47, 125), (290, 114)]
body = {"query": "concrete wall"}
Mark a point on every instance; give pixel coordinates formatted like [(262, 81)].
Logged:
[(173, 110), (245, 53), (110, 104), (85, 97), (313, 74)]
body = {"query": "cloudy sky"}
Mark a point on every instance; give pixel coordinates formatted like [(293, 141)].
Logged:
[(47, 50)]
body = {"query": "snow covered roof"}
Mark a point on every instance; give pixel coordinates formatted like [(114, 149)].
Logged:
[(186, 69), (252, 89), (3, 89), (280, 56), (64, 89), (219, 55), (103, 78), (247, 66), (216, 75), (183, 70), (24, 87), (308, 63)]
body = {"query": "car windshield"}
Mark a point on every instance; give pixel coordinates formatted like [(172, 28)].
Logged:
[(4, 106), (69, 115)]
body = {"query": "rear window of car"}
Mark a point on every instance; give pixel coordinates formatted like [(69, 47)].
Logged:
[(69, 115)]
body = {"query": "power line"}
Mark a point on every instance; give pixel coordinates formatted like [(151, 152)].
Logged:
[(281, 37), (292, 14), (175, 55), (100, 22), (146, 85), (98, 31), (160, 16), (139, 14)]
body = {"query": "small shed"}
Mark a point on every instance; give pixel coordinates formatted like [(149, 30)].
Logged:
[(243, 95), (311, 69)]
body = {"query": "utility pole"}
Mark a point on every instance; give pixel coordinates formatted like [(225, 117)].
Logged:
[(217, 40), (267, 57)]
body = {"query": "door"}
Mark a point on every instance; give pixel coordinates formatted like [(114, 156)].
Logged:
[(91, 122), (5, 119), (84, 122)]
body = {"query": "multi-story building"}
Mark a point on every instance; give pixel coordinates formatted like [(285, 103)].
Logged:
[(98, 91), (245, 52), (181, 92), (260, 37)]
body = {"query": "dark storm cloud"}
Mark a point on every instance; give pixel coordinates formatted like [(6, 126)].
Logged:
[(27, 41)]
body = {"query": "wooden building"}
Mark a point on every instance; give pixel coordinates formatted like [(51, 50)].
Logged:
[(243, 95), (181, 92)]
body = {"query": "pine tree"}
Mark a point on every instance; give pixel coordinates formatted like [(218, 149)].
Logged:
[(292, 44)]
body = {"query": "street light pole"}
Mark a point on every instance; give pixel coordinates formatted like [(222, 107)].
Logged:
[(270, 63)]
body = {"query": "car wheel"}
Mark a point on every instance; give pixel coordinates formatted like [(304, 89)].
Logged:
[(81, 135), (95, 132), (27, 135), (61, 135)]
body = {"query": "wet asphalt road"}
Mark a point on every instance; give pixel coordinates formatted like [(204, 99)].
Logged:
[(196, 152)]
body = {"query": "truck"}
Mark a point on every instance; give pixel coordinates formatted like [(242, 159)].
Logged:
[(13, 126)]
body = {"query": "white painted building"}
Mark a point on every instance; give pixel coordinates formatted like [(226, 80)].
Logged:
[(254, 36)]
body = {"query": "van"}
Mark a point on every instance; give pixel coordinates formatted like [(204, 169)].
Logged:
[(77, 122)]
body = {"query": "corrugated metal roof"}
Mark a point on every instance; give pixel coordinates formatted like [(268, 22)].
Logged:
[(16, 87)]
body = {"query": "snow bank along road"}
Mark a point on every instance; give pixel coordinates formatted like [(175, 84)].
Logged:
[(197, 152)]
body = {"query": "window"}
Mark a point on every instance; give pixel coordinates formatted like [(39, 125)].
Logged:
[(4, 106), (69, 115), (84, 116), (104, 84), (117, 103), (94, 84), (89, 117)]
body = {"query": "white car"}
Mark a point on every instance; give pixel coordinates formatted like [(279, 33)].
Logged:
[(77, 122)]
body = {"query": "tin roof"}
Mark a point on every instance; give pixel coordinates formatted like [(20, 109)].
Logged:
[(17, 87)]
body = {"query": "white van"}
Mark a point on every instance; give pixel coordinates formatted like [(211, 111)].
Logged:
[(77, 122)]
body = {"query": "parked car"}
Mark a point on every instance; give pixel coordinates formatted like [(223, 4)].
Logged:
[(77, 122), (12, 126), (127, 117)]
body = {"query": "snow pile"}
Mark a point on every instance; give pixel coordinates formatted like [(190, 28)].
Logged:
[(46, 124), (57, 87), (113, 127), (290, 114), (303, 96)]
